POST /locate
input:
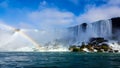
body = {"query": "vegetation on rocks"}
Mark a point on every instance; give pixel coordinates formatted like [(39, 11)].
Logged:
[(94, 45)]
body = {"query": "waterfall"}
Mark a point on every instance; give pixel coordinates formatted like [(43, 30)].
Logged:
[(58, 39), (85, 31), (102, 28)]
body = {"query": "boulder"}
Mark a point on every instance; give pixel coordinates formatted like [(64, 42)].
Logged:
[(95, 45), (116, 51), (105, 47), (97, 40)]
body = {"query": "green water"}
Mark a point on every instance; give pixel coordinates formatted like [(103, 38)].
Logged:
[(58, 60)]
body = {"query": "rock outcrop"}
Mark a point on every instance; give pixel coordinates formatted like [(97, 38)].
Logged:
[(116, 22), (94, 45)]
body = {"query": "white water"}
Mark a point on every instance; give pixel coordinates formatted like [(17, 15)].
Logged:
[(10, 40), (97, 29), (114, 45), (102, 28)]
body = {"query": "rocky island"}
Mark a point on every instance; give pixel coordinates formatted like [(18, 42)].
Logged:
[(94, 45)]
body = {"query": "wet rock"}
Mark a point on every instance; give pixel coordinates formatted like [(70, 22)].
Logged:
[(97, 46), (111, 51), (72, 47), (105, 47), (116, 51), (96, 41), (76, 49)]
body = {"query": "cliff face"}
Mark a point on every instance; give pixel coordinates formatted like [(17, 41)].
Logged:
[(116, 28), (116, 22)]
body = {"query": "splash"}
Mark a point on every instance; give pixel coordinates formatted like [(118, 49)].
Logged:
[(37, 46), (11, 33), (114, 45)]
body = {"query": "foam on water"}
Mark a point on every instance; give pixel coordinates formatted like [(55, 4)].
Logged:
[(114, 45)]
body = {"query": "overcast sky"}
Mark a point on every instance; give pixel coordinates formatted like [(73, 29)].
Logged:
[(42, 14)]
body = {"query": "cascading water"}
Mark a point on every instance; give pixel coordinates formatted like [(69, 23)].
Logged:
[(102, 28), (85, 31), (12, 39)]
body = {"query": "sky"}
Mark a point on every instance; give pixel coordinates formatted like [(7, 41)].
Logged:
[(42, 14)]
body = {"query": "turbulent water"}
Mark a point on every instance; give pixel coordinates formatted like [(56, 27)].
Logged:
[(59, 60)]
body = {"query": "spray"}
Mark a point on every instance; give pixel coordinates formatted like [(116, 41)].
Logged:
[(37, 46)]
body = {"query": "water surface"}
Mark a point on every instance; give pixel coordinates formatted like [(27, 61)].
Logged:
[(58, 60)]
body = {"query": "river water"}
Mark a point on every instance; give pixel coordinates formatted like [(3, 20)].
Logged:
[(59, 60)]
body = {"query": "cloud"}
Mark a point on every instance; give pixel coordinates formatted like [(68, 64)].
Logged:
[(114, 2), (105, 11), (51, 17), (47, 16), (25, 25), (43, 4), (101, 13), (50, 20)]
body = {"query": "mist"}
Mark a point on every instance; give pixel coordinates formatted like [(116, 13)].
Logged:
[(50, 24)]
